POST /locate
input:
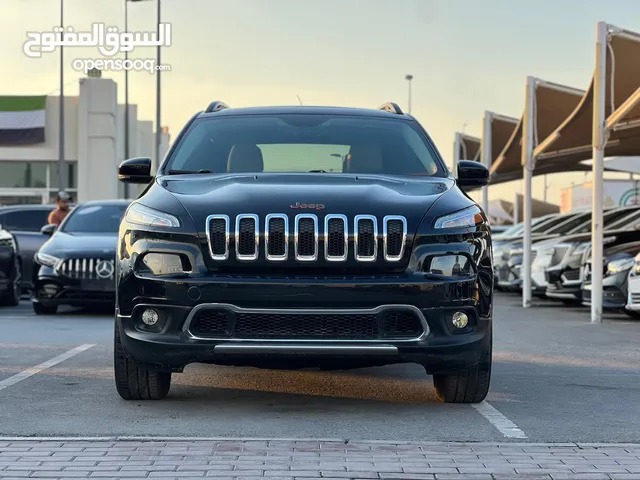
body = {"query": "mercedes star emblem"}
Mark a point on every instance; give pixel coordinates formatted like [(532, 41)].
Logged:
[(104, 269)]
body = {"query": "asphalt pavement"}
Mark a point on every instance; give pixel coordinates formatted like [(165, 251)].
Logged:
[(556, 378)]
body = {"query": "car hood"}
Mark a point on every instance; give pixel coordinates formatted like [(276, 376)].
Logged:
[(73, 245), (321, 194)]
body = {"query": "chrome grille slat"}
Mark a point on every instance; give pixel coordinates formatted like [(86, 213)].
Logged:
[(247, 237), (306, 235), (276, 237), (336, 238), (365, 237), (394, 237), (84, 268), (217, 230)]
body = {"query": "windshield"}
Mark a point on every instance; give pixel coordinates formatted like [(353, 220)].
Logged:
[(305, 143), (626, 223), (94, 219), (551, 223), (514, 230), (608, 219), (570, 224)]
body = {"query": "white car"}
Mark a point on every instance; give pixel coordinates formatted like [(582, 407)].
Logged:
[(633, 299)]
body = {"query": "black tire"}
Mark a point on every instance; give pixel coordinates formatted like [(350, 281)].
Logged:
[(632, 314), (471, 386), (135, 382), (41, 309)]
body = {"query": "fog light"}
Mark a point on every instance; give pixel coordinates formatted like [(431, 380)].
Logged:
[(460, 319), (150, 317)]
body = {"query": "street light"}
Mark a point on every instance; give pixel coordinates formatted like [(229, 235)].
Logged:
[(61, 132), (409, 78), (127, 151), (158, 98)]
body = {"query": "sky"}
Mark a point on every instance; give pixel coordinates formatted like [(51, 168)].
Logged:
[(466, 56)]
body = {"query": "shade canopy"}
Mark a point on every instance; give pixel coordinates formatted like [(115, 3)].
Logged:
[(564, 119), (502, 128), (504, 211), (553, 104), (469, 148), (570, 143)]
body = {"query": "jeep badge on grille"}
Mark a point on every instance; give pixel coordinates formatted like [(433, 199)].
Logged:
[(312, 206)]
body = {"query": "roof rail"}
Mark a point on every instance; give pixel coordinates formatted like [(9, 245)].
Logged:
[(392, 108), (216, 107)]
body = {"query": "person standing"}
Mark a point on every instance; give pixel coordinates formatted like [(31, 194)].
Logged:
[(62, 209)]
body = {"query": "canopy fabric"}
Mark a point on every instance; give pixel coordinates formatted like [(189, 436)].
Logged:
[(498, 211), (571, 141), (553, 104), (503, 211), (469, 148), (502, 128)]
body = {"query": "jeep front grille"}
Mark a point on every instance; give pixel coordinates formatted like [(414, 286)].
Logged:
[(87, 268), (312, 237)]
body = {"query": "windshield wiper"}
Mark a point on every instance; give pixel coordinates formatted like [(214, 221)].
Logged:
[(188, 172)]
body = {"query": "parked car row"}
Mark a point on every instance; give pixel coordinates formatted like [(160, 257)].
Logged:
[(73, 264), (561, 259)]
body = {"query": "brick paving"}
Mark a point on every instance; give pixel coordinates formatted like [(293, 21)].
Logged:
[(254, 459)]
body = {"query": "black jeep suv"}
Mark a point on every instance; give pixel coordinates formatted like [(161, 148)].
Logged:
[(293, 237)]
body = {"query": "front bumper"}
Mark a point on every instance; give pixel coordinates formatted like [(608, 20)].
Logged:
[(264, 326), (633, 296), (612, 298), (561, 284), (52, 289)]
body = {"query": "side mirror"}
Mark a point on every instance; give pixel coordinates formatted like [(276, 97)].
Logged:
[(135, 170), (472, 174), (49, 229)]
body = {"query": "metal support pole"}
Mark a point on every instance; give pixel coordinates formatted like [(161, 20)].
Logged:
[(545, 189), (126, 96), (485, 154), (409, 78), (457, 146), (158, 105), (599, 139), (516, 209), (528, 126), (61, 130)]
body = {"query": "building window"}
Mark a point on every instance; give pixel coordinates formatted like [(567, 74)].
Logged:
[(19, 174)]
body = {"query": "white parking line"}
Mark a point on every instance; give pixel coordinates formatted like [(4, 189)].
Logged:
[(505, 426), (18, 377)]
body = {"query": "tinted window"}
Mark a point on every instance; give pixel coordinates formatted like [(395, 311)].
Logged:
[(305, 143), (25, 220), (628, 222), (570, 224), (94, 219), (549, 224), (608, 219)]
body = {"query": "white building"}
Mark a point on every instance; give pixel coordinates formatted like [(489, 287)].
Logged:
[(94, 147)]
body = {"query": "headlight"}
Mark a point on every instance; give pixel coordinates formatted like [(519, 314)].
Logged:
[(618, 266), (468, 217), (635, 271), (141, 215), (47, 260)]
